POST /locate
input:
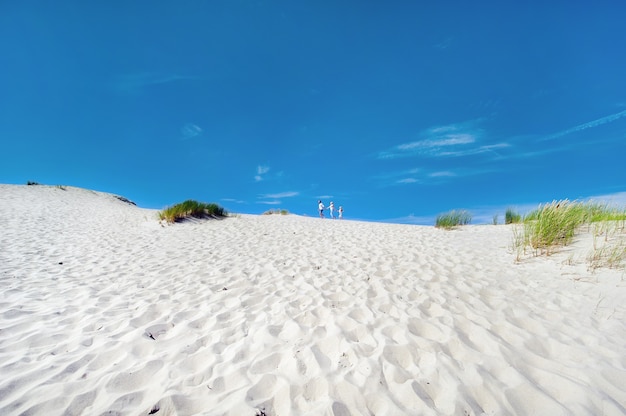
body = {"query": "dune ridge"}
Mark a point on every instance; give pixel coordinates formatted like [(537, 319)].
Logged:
[(104, 310)]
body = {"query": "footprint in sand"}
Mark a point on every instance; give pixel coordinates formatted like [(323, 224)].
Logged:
[(155, 331)]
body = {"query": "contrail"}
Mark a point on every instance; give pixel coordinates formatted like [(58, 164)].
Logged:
[(588, 125)]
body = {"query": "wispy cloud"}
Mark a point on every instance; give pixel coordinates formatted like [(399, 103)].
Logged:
[(447, 140), (136, 81), (492, 148), (281, 195), (236, 201), (442, 174), (190, 131), (617, 199), (588, 125), (400, 177), (427, 177), (412, 219), (450, 140), (261, 171), (445, 43), (542, 148), (276, 199), (272, 202)]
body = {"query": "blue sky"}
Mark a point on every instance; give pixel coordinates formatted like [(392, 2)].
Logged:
[(395, 110)]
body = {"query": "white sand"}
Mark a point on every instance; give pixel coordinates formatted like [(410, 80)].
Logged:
[(105, 311)]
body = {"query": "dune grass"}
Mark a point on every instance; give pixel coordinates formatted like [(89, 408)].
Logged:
[(453, 219), (554, 225), (612, 256), (276, 211), (512, 217), (191, 209)]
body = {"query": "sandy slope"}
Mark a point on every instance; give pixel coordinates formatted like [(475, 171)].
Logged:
[(105, 311)]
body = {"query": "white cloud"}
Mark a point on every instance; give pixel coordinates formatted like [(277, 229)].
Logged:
[(276, 199), (437, 141), (475, 151), (617, 199), (444, 43), (449, 140), (397, 174), (237, 201), (412, 219), (281, 195), (442, 174), (190, 130), (261, 170), (426, 176)]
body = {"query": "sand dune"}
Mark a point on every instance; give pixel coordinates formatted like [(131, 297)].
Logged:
[(103, 310)]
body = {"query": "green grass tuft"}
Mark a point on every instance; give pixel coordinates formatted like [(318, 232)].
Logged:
[(512, 217), (555, 225), (191, 209), (452, 219), (276, 211)]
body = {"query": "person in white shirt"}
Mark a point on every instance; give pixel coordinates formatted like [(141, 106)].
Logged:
[(331, 208), (320, 206), (340, 212)]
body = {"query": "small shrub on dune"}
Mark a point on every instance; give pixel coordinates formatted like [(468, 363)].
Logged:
[(191, 209), (453, 219)]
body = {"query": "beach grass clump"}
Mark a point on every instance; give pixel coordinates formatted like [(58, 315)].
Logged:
[(555, 225), (512, 217), (612, 256), (603, 212), (452, 219), (191, 209), (276, 212)]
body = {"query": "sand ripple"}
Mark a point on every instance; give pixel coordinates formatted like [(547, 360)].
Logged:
[(104, 311)]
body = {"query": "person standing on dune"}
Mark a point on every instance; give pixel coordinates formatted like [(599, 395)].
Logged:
[(320, 206)]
